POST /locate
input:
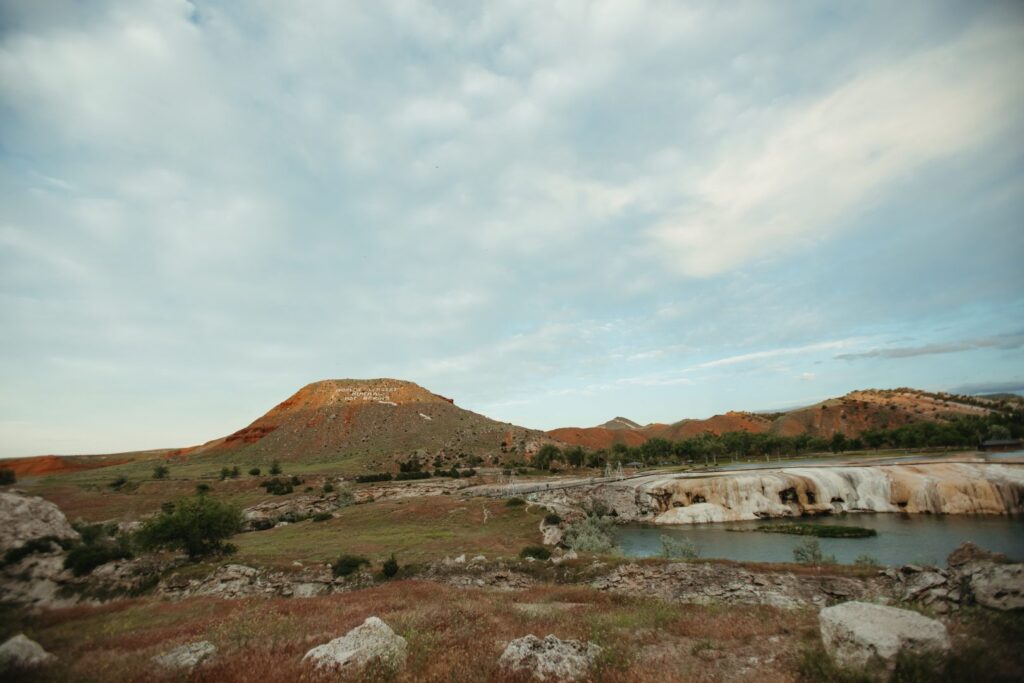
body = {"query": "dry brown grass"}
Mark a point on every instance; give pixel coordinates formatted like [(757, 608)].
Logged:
[(453, 634)]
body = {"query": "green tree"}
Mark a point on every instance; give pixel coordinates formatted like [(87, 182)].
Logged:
[(160, 472), (199, 526), (547, 454), (275, 468)]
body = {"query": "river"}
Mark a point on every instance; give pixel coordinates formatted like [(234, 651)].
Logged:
[(901, 539)]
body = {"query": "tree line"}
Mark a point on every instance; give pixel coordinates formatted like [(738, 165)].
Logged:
[(966, 431)]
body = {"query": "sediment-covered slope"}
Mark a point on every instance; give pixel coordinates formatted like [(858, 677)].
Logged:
[(337, 418), (937, 488)]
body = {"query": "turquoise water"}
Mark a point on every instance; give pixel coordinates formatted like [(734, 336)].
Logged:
[(901, 539)]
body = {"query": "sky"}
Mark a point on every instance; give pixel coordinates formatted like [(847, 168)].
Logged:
[(554, 213)]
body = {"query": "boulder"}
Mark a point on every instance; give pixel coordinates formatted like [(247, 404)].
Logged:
[(999, 586), (865, 636), (21, 652), (371, 640), (550, 659), (27, 518), (968, 552), (186, 657)]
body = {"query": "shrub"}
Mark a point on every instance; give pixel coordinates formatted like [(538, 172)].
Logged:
[(261, 524), (255, 471), (866, 561), (278, 487), (390, 567), (82, 559), (202, 489), (328, 487), (118, 483), (552, 519), (275, 468), (90, 533), (197, 525), (225, 472), (808, 551), (364, 478), (537, 552), (405, 476), (160, 472), (348, 564), (515, 502), (322, 516), (679, 548), (7, 476), (235, 472), (295, 481), (591, 534), (467, 473)]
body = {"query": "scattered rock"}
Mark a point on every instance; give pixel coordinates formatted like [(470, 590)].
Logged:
[(371, 640), (186, 657), (865, 636), (22, 652), (550, 659)]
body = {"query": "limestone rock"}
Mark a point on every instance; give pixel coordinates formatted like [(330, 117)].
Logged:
[(371, 640), (550, 659), (186, 657), (866, 636), (969, 552), (999, 586), (23, 653), (26, 518)]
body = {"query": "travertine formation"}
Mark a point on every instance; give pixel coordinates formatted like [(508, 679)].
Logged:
[(937, 488)]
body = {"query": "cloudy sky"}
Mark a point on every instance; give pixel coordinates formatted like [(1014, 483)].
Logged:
[(553, 212)]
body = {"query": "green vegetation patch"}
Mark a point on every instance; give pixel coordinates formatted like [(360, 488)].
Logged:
[(819, 530)]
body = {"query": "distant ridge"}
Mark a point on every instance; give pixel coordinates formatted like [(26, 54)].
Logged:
[(850, 415)]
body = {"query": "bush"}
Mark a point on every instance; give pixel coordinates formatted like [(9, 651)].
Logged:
[(225, 472), (405, 476), (7, 476), (591, 534), (515, 502), (808, 551), (328, 487), (322, 516), (202, 489), (465, 474), (679, 548), (275, 468), (295, 481), (364, 478), (278, 487), (82, 559), (537, 552), (551, 519), (118, 483), (348, 564), (197, 525), (261, 524), (160, 472), (255, 471), (866, 561), (390, 567)]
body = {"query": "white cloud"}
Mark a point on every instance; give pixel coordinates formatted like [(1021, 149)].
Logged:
[(800, 178)]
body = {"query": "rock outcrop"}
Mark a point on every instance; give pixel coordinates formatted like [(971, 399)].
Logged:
[(186, 657), (21, 652), (550, 659), (373, 640), (26, 518), (861, 635)]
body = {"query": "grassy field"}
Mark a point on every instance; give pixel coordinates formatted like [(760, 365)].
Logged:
[(416, 529)]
